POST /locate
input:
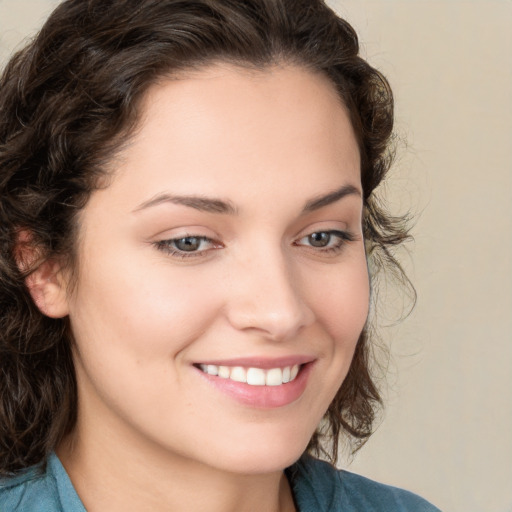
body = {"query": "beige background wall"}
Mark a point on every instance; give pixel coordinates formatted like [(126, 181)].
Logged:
[(447, 429)]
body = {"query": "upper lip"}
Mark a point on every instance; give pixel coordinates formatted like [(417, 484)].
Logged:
[(264, 363)]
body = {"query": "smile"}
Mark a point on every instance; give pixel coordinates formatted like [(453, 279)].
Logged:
[(253, 376), (259, 382)]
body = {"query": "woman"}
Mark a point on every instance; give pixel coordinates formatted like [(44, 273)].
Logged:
[(186, 214)]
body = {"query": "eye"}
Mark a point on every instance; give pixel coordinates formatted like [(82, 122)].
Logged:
[(187, 246), (321, 239), (326, 241), (189, 243)]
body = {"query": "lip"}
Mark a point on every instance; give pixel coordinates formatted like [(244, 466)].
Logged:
[(262, 397)]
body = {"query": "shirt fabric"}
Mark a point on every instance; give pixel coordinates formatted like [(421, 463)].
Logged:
[(317, 487)]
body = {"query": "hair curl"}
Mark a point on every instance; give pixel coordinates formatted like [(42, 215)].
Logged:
[(67, 103)]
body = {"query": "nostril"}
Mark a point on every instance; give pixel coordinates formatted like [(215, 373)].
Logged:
[(274, 325)]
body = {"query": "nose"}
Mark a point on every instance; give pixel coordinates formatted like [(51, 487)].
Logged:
[(266, 297)]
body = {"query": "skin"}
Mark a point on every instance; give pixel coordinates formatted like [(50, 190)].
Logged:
[(152, 433)]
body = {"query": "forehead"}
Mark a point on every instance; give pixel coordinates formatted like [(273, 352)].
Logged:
[(229, 126)]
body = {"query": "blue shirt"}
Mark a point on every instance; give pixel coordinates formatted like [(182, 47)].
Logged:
[(317, 487)]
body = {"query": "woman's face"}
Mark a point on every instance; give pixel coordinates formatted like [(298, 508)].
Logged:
[(227, 247)]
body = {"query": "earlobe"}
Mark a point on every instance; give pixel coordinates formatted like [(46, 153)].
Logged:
[(46, 282)]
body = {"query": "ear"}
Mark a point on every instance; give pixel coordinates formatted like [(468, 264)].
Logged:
[(46, 283), (49, 289)]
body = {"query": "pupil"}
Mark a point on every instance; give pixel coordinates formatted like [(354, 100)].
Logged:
[(188, 244), (319, 239)]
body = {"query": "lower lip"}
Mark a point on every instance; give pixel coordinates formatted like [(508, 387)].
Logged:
[(267, 397)]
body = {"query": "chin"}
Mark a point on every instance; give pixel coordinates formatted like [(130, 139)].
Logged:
[(265, 456)]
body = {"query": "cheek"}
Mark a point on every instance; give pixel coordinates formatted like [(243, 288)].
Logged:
[(341, 303), (341, 307), (141, 309), (132, 322)]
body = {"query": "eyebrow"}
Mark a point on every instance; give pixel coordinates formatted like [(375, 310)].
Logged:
[(204, 204), (330, 198), (213, 205)]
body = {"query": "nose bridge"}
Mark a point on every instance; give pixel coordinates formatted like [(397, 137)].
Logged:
[(267, 294)]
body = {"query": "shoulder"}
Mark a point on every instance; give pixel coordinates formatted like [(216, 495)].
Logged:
[(318, 486), (39, 489), (30, 490)]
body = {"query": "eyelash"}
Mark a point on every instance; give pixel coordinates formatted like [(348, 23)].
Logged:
[(166, 246), (342, 238)]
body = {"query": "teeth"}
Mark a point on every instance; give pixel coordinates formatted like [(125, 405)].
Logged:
[(256, 377), (253, 376), (238, 374), (212, 369), (223, 372), (274, 377)]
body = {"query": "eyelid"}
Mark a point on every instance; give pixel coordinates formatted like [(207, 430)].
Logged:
[(341, 233), (343, 237), (165, 245)]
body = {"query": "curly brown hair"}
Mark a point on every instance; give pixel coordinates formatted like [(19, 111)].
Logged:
[(70, 99)]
